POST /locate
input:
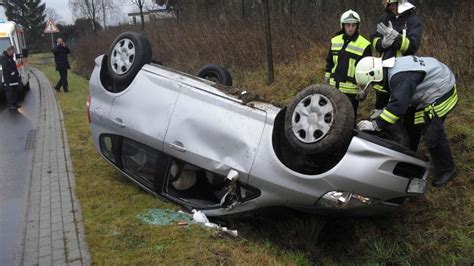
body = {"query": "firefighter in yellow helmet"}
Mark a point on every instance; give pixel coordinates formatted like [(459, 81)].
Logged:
[(347, 48)]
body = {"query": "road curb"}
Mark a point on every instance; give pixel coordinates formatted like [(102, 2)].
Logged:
[(54, 233)]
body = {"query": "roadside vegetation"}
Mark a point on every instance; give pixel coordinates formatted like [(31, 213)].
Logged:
[(437, 229)]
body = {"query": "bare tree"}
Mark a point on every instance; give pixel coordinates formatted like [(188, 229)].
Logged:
[(140, 4), (51, 13), (89, 9), (109, 8)]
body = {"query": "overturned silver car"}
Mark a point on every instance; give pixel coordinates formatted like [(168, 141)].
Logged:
[(196, 142)]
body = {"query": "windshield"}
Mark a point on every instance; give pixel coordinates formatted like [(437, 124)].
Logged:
[(2, 13), (4, 43)]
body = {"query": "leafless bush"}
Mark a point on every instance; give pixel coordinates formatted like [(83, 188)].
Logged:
[(221, 33)]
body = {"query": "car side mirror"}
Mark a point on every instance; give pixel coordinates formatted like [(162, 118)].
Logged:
[(24, 52)]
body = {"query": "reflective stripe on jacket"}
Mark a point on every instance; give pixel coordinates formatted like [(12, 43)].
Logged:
[(342, 58), (408, 24), (441, 107), (421, 82)]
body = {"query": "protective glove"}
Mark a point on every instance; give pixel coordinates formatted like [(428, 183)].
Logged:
[(389, 34), (387, 41), (366, 125), (384, 30), (375, 113)]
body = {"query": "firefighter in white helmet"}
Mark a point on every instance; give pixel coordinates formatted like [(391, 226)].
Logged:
[(347, 48), (424, 84), (398, 33)]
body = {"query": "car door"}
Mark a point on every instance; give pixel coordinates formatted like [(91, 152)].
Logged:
[(214, 132), (143, 111)]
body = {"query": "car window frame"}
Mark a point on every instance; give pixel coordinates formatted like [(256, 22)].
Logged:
[(161, 168)]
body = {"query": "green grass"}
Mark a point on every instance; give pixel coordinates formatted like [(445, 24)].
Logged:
[(437, 229)]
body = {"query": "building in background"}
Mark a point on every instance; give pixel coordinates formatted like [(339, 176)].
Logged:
[(161, 12)]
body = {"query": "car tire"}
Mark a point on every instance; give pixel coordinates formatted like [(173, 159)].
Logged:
[(319, 121), (129, 52), (215, 73)]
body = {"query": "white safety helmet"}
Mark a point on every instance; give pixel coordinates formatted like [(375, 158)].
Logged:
[(403, 5), (370, 69), (349, 16)]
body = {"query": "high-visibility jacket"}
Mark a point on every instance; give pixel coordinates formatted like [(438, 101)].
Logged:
[(342, 58), (408, 24), (421, 82)]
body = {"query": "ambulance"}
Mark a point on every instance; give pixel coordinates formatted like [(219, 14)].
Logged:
[(13, 34)]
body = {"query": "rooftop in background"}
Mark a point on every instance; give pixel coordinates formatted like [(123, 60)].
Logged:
[(160, 13)]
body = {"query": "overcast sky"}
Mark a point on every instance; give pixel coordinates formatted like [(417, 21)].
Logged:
[(62, 8)]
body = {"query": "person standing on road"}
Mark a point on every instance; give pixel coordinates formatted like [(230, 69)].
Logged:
[(60, 52), (398, 33), (11, 77), (426, 85), (347, 48)]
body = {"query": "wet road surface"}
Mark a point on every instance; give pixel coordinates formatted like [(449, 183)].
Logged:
[(17, 137)]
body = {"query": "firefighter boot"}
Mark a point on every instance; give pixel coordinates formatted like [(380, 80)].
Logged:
[(444, 167), (442, 158)]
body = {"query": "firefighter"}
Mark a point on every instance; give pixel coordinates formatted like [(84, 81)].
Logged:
[(429, 87), (11, 77), (398, 33), (347, 48)]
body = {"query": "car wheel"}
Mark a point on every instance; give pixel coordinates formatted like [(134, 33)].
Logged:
[(319, 121), (215, 73), (127, 55)]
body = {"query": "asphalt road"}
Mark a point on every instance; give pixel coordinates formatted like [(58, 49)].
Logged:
[(17, 137)]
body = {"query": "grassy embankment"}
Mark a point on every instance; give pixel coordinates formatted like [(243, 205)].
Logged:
[(438, 229)]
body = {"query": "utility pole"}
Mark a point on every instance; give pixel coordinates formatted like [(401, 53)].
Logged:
[(268, 40), (242, 8)]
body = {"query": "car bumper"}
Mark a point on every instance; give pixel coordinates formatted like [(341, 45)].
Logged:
[(367, 169)]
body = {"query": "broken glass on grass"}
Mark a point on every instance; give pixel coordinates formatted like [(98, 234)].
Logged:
[(168, 216), (165, 217)]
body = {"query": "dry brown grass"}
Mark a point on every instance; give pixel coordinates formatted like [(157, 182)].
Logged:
[(238, 44)]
